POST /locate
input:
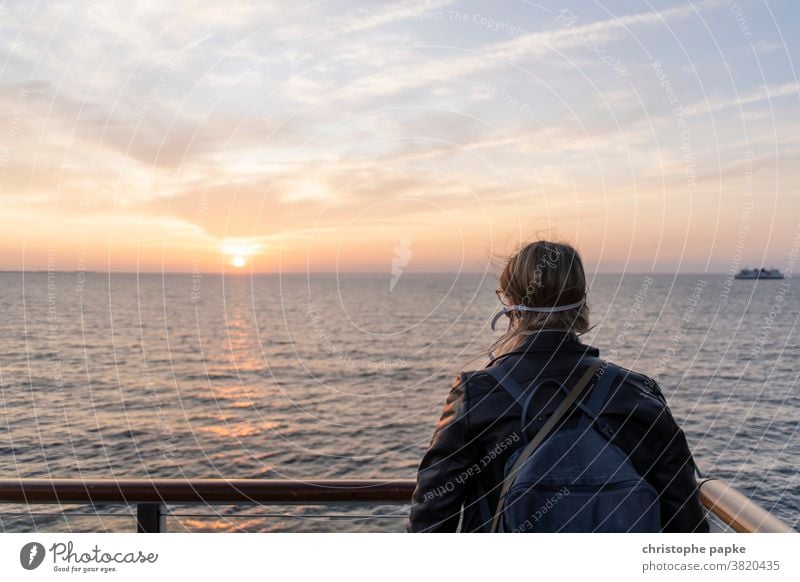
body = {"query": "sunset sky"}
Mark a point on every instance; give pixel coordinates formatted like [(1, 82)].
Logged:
[(294, 136)]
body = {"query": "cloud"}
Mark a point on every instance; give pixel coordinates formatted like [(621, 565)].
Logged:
[(273, 121), (765, 93)]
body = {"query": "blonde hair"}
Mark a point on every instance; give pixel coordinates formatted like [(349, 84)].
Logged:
[(543, 274)]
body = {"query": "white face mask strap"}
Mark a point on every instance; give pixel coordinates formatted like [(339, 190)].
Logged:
[(497, 316), (555, 309)]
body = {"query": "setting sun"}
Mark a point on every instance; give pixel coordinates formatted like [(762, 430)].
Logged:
[(239, 250)]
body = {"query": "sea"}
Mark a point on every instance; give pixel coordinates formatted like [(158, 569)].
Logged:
[(343, 376)]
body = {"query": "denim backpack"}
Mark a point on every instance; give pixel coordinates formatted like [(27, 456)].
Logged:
[(572, 479)]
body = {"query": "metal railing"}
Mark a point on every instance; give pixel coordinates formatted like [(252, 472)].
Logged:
[(737, 511), (151, 495)]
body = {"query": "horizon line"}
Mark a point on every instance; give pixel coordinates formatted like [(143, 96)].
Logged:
[(276, 273)]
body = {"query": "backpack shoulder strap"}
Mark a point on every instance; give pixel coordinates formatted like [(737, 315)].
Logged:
[(543, 433), (599, 395), (507, 382), (595, 402), (523, 396)]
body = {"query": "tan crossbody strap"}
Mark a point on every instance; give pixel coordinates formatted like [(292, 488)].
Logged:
[(556, 417)]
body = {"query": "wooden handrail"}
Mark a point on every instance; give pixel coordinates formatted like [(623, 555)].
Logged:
[(738, 511), (208, 491), (720, 498)]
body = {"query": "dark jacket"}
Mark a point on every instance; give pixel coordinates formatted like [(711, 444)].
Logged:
[(480, 428)]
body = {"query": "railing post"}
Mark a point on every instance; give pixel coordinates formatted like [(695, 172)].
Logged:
[(150, 518)]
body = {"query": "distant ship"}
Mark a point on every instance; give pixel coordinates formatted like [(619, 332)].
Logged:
[(759, 274)]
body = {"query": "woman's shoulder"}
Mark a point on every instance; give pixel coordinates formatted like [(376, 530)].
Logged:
[(474, 384), (641, 383), (642, 394), (474, 379), (637, 387)]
